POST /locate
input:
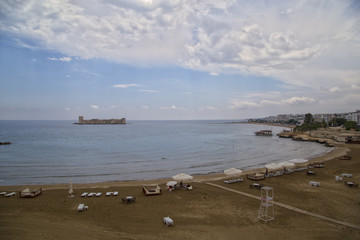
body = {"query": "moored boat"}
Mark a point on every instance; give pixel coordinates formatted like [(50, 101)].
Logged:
[(264, 133)]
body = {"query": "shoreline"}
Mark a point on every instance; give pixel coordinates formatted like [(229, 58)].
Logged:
[(336, 152)]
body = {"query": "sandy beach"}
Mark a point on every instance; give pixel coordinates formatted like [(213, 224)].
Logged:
[(206, 212)]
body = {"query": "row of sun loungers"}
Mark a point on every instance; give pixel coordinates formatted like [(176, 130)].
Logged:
[(8, 194), (234, 180), (99, 194)]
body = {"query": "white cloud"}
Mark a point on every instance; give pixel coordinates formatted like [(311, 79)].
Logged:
[(298, 100), (226, 36), (355, 87), (62, 59), (94, 106), (173, 107), (126, 85), (145, 107), (68, 109), (148, 91), (243, 104), (334, 89), (305, 43), (211, 108)]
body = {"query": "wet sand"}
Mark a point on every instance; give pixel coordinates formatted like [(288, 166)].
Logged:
[(206, 212)]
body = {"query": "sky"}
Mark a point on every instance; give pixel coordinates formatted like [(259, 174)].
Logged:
[(177, 60)]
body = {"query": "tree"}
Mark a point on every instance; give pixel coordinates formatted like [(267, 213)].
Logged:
[(336, 122), (350, 125), (308, 118)]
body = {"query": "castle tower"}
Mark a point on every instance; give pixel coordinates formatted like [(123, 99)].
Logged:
[(266, 211), (81, 119)]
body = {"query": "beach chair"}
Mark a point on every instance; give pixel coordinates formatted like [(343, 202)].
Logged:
[(108, 194), (348, 175), (115, 193), (310, 173), (91, 194), (98, 194), (10, 194), (128, 199), (84, 194), (314, 184), (168, 221), (338, 179), (81, 207)]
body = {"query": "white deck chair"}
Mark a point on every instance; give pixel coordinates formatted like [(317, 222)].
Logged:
[(81, 207), (84, 194)]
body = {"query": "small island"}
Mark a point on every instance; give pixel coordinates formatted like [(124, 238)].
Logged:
[(101, 121)]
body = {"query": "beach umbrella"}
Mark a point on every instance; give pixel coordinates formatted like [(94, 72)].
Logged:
[(287, 164), (171, 183), (232, 171), (71, 190), (273, 166), (298, 160), (182, 177)]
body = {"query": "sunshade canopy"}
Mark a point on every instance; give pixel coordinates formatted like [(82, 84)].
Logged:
[(182, 177), (232, 171)]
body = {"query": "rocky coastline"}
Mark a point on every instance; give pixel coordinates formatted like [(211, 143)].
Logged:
[(329, 137)]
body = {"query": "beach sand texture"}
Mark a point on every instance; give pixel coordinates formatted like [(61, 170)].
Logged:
[(206, 212)]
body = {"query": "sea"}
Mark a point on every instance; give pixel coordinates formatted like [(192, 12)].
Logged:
[(54, 152)]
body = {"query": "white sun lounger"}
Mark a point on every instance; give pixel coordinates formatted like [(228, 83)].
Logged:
[(98, 194), (10, 194), (84, 194), (91, 194), (314, 184), (348, 175), (338, 179), (116, 193), (168, 221), (81, 207), (108, 194), (3, 193)]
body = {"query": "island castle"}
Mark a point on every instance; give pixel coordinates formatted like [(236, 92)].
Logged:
[(101, 121)]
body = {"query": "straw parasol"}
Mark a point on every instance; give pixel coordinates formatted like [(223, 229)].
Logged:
[(182, 177), (232, 171), (71, 191), (298, 160), (287, 164), (273, 166)]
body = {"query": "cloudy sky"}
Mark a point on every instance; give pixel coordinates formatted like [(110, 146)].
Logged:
[(160, 59)]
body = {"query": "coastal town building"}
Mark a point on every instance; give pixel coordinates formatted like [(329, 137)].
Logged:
[(327, 117), (101, 121)]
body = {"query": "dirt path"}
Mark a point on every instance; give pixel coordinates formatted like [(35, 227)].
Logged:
[(289, 207)]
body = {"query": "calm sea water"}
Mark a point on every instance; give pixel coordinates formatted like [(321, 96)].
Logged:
[(48, 152)]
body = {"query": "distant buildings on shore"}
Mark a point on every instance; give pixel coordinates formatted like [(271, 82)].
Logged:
[(101, 121), (284, 118)]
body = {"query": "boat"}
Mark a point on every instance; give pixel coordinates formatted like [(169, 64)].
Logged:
[(264, 133)]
